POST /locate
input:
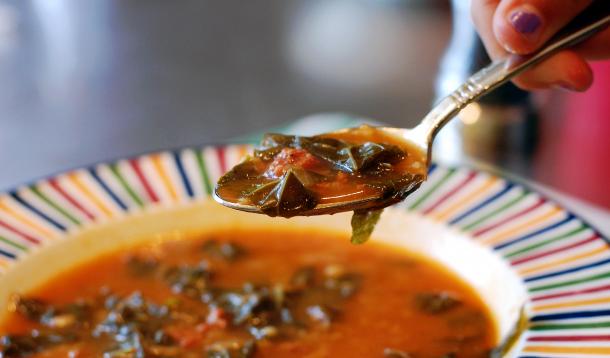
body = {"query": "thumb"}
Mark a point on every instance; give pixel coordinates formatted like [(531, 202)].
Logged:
[(522, 26)]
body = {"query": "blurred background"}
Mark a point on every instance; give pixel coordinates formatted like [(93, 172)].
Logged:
[(86, 81)]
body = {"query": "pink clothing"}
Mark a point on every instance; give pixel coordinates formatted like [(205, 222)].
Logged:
[(579, 152)]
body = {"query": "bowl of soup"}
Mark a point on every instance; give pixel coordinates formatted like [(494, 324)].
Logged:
[(198, 279)]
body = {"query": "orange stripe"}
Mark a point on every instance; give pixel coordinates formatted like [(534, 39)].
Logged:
[(23, 219), (571, 304), (468, 199), (4, 264), (561, 349), (566, 260), (522, 227), (73, 177), (243, 152), (156, 159)]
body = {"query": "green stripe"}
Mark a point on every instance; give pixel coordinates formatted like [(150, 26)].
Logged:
[(572, 282), (61, 210), (117, 174), (13, 244), (548, 327), (204, 172), (496, 212), (546, 242), (430, 191)]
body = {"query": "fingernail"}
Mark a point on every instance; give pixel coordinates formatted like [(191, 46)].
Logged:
[(525, 22)]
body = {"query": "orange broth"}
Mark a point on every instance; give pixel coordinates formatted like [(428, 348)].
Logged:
[(382, 315)]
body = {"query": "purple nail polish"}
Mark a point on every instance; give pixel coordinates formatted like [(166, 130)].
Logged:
[(525, 22)]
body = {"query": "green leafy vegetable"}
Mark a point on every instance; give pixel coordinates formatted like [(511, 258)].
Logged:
[(367, 155), (228, 251), (284, 197), (344, 156), (363, 224), (436, 303)]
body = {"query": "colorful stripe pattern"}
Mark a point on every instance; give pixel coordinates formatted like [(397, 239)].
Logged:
[(565, 264)]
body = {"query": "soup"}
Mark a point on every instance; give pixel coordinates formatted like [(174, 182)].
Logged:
[(289, 175), (251, 294), (292, 175)]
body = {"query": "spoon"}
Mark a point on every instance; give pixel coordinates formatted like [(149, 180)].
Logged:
[(592, 20)]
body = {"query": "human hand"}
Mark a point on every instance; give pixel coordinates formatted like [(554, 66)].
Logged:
[(522, 26)]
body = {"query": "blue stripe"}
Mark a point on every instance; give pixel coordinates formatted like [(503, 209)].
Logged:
[(535, 233), (47, 218), (570, 315), (107, 189), (432, 168), (185, 180), (492, 198), (8, 254), (575, 269)]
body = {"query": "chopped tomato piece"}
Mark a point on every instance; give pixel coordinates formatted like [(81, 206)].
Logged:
[(291, 157)]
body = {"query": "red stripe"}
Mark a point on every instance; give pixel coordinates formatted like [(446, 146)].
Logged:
[(149, 190), (571, 293), (53, 182), (449, 194), (26, 236), (222, 159), (569, 338), (536, 205), (551, 252)]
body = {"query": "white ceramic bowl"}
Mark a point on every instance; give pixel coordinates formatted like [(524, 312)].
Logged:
[(499, 287)]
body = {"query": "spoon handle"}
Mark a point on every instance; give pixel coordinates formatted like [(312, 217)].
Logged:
[(593, 19)]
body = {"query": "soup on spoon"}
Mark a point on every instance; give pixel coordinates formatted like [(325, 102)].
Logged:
[(294, 175)]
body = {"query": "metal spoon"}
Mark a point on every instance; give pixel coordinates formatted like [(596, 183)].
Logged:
[(592, 20)]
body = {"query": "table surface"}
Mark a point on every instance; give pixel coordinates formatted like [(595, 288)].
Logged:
[(87, 81)]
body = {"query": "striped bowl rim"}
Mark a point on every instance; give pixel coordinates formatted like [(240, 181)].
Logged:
[(563, 261)]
